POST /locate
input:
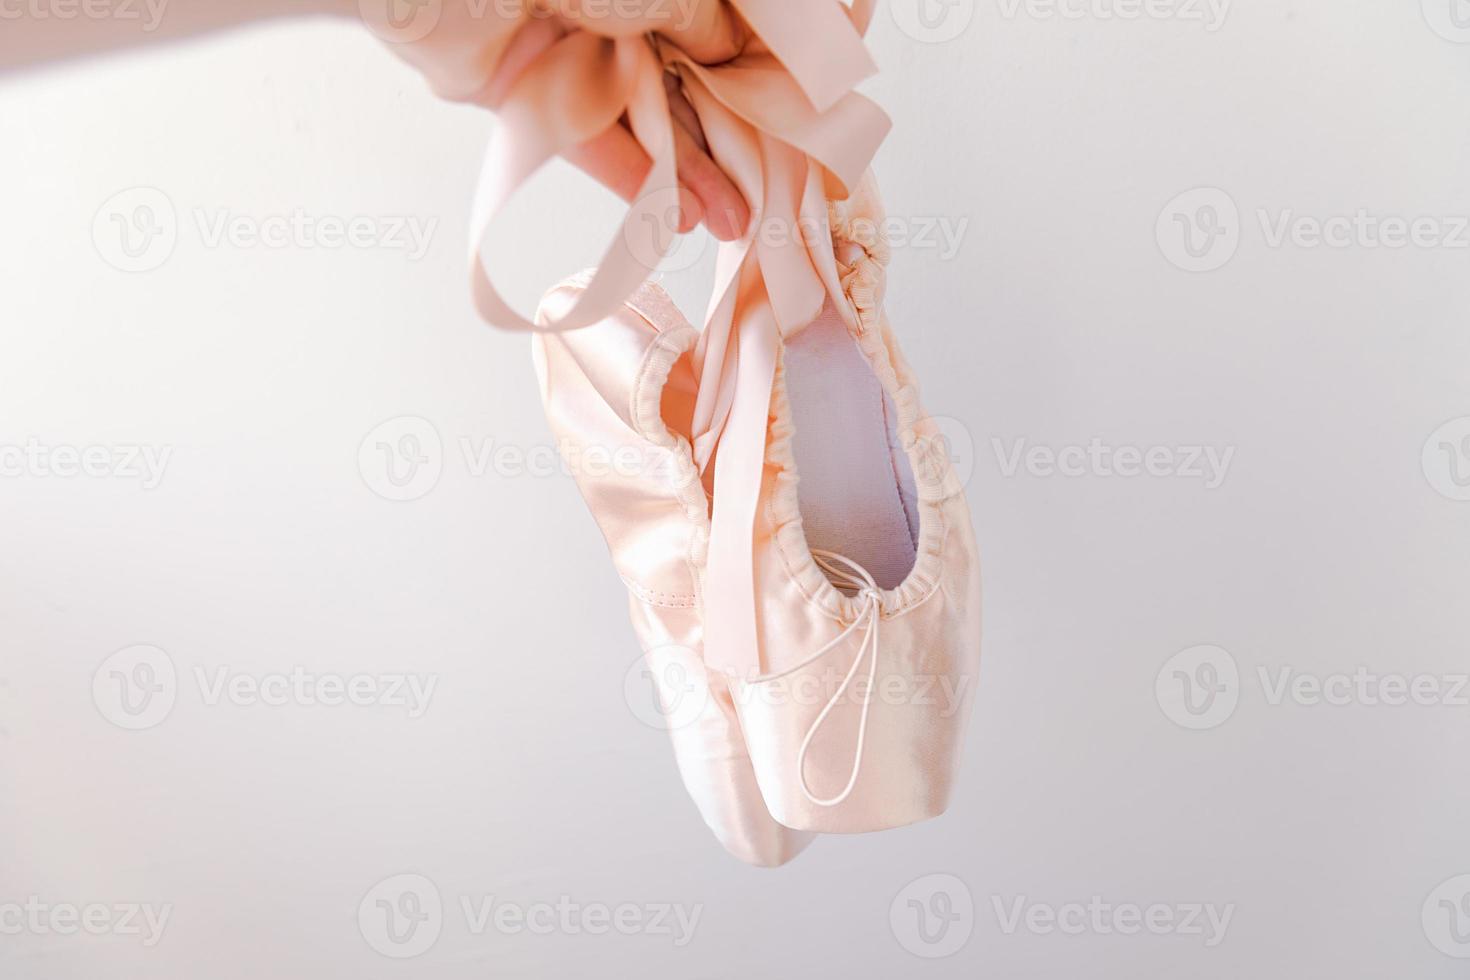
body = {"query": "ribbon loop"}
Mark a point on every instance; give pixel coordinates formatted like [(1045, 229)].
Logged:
[(782, 119)]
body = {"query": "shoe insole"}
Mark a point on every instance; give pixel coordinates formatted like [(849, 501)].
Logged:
[(855, 485)]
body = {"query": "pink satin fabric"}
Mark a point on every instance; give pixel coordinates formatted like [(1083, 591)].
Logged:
[(607, 386), (603, 389), (929, 627), (737, 584), (781, 118)]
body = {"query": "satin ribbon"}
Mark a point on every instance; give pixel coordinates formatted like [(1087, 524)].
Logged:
[(783, 121)]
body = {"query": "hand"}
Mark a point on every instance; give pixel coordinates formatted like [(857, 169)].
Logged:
[(456, 55), (712, 34), (455, 62), (616, 160)]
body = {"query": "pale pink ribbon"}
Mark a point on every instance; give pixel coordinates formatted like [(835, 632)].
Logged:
[(783, 121)]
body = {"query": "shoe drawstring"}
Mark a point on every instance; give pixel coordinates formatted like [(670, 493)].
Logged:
[(853, 576)]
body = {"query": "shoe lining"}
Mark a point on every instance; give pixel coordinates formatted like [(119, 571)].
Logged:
[(856, 488)]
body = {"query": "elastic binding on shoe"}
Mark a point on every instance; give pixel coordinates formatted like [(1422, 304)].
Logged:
[(854, 576)]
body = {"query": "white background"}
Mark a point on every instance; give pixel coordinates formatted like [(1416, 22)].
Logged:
[(1057, 143)]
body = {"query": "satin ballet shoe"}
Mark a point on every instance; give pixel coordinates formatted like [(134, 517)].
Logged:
[(866, 574), (835, 630), (618, 395)]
